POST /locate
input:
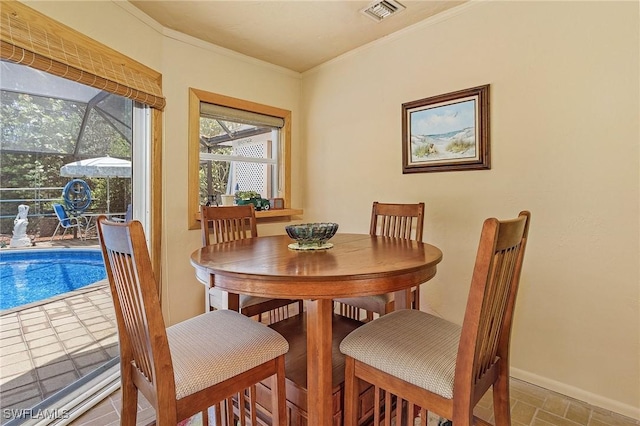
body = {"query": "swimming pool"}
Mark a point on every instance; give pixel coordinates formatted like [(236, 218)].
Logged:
[(28, 276)]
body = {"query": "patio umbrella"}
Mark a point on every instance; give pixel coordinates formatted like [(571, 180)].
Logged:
[(102, 167)]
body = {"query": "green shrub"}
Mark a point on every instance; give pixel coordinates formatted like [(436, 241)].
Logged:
[(459, 147)]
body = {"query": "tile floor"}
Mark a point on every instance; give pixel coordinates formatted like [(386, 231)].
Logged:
[(530, 406), (45, 347)]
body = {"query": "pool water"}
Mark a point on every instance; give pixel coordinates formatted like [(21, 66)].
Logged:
[(28, 276)]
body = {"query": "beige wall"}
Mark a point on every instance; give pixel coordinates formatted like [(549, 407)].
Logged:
[(564, 134)]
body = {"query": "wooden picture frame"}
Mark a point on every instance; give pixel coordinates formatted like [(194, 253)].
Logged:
[(447, 132)]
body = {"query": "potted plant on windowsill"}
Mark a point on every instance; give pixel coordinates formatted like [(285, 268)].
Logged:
[(252, 197)]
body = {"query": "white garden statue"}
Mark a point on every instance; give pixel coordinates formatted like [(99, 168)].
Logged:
[(20, 238)]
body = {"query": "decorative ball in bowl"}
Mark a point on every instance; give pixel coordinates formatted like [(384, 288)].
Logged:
[(311, 236)]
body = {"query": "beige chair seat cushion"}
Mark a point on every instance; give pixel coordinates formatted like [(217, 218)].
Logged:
[(412, 345), (218, 299), (218, 345), (375, 303)]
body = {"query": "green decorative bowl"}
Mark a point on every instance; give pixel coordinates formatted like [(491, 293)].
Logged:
[(312, 234)]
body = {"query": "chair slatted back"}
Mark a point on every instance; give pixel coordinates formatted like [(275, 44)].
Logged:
[(227, 223), (491, 301), (141, 328), (397, 220)]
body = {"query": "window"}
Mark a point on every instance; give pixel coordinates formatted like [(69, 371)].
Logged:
[(238, 152), (31, 38), (236, 145), (99, 67), (47, 122)]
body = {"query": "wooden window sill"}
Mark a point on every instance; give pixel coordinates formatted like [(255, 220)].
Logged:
[(268, 214), (278, 213)]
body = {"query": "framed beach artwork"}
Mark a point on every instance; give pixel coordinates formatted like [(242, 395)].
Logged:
[(447, 132)]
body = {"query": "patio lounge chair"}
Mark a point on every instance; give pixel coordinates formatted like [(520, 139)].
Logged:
[(67, 222), (128, 216)]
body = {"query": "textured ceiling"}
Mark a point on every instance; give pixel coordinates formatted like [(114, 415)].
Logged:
[(295, 34)]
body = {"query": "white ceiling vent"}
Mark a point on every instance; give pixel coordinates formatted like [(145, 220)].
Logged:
[(382, 9)]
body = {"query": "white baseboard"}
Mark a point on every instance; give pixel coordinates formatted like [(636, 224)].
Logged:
[(579, 394)]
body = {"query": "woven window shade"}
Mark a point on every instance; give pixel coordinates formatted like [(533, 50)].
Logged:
[(240, 116), (30, 38)]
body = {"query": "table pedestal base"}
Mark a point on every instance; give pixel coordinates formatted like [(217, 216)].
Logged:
[(293, 329)]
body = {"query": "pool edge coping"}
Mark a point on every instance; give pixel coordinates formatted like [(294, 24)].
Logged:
[(86, 289)]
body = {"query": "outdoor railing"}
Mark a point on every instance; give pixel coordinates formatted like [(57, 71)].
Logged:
[(38, 199), (42, 219)]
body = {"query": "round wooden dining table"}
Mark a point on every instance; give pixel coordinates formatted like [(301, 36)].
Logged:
[(356, 265)]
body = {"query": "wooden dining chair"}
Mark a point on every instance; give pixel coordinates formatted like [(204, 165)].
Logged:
[(404, 221), (418, 362), (230, 223), (193, 365)]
